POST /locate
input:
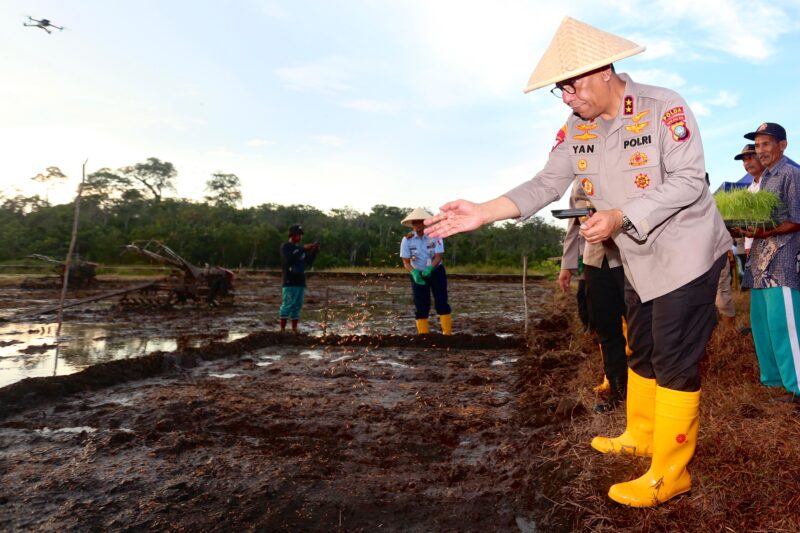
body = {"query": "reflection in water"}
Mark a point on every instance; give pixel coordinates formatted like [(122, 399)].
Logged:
[(311, 354), (29, 350)]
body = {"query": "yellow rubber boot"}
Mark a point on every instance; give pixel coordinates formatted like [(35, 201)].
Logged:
[(422, 325), (674, 440), (637, 439), (447, 324)]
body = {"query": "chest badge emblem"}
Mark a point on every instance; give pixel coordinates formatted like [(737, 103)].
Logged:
[(638, 159), (585, 128), (582, 165), (642, 181), (588, 186), (637, 126)]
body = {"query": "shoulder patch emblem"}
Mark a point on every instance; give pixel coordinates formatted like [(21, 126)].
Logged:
[(588, 186), (675, 120), (560, 136)]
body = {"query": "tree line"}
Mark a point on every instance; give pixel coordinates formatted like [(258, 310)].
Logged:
[(129, 204)]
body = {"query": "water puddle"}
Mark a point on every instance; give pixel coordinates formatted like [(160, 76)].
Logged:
[(29, 349), (79, 429), (312, 354)]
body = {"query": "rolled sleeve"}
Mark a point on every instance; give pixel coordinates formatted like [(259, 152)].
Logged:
[(405, 252)]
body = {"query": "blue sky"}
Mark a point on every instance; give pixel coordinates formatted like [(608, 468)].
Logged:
[(359, 102)]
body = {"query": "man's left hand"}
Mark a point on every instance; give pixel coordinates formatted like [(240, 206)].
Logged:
[(601, 226)]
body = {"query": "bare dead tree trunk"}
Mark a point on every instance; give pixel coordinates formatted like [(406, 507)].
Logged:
[(65, 284)]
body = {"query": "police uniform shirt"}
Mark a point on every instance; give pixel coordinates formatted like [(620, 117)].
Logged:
[(647, 161), (420, 250)]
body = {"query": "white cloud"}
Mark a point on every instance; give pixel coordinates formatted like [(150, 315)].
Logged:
[(658, 77), (725, 99), (467, 50), (700, 109), (223, 153), (745, 29), (255, 143), (329, 140), (328, 77), (656, 48), (370, 106), (275, 11)]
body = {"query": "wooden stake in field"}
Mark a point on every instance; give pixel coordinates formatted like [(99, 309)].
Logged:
[(325, 313), (525, 290), (67, 261)]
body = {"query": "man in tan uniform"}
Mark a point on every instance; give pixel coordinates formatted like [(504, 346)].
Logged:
[(605, 295), (637, 153)]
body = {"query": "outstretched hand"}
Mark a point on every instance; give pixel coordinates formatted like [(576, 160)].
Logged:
[(454, 217)]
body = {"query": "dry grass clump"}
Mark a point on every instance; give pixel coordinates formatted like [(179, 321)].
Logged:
[(746, 470)]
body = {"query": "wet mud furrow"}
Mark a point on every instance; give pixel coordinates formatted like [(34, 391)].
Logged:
[(335, 437)]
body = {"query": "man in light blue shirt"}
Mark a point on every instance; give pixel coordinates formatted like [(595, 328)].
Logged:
[(423, 258)]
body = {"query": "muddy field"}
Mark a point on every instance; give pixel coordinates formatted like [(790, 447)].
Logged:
[(368, 428)]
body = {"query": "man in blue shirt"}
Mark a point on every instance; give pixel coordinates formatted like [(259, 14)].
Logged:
[(774, 266), (423, 258), (294, 260)]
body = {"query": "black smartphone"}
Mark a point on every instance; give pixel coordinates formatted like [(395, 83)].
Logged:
[(573, 213)]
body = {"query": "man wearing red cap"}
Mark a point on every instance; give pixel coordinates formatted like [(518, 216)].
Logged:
[(636, 151), (773, 271)]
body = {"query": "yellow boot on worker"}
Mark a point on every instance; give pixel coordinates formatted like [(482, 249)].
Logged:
[(447, 324), (674, 441), (422, 325), (637, 439)]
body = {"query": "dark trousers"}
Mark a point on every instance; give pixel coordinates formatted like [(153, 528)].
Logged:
[(605, 292), (668, 334), (583, 306), (436, 284)]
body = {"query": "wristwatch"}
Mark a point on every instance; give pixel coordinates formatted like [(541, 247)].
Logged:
[(627, 225)]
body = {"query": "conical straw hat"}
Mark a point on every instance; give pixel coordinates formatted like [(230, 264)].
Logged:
[(578, 48), (416, 214)]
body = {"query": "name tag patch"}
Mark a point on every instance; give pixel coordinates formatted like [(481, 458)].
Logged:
[(637, 141)]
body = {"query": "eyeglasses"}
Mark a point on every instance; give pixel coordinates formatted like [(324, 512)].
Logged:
[(559, 90)]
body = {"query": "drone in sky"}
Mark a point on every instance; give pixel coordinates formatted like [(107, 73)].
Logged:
[(43, 23)]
